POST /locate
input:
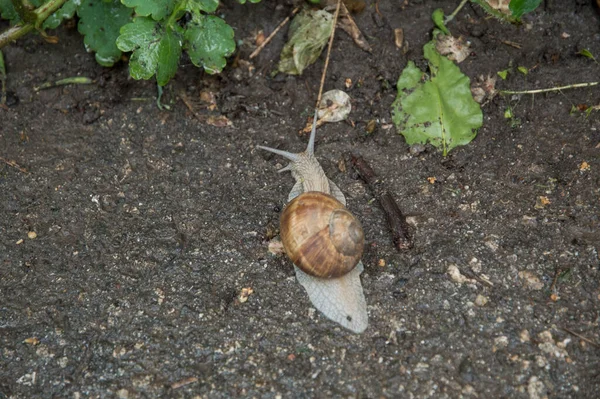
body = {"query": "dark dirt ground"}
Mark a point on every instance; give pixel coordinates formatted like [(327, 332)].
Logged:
[(149, 224)]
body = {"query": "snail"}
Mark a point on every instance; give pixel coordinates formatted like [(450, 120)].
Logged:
[(323, 239)]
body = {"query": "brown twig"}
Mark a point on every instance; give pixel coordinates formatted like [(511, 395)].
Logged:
[(188, 104), (272, 35), (13, 164), (184, 382), (589, 341), (396, 220)]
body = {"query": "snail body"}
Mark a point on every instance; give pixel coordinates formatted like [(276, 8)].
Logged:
[(324, 240)]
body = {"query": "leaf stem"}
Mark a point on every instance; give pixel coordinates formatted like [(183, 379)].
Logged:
[(41, 13), (456, 11), (551, 89)]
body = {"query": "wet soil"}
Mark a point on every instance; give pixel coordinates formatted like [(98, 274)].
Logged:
[(150, 223)]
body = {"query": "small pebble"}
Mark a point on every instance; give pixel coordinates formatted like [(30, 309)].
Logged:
[(31, 235)]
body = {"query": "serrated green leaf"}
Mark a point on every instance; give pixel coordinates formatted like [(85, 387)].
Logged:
[(158, 9), (203, 5), (7, 11), (156, 49), (67, 11), (520, 7), (208, 40), (440, 110), (438, 20), (308, 35), (99, 22)]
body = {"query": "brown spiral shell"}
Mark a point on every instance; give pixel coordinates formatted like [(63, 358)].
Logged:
[(320, 235)]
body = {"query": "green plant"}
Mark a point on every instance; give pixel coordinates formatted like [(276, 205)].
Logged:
[(509, 11), (155, 31), (505, 10), (439, 108)]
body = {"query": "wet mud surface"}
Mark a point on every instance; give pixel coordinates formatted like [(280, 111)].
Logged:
[(148, 224)]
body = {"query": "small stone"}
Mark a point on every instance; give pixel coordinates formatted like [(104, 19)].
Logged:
[(381, 263), (246, 292), (531, 280), (524, 336), (501, 341), (123, 394), (481, 300), (31, 235), (536, 388)]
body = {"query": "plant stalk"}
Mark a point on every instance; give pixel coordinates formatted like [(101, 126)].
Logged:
[(41, 13), (551, 89), (456, 11)]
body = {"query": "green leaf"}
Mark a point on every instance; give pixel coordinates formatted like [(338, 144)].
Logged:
[(258, 1), (156, 49), (440, 110), (208, 40), (438, 20), (158, 9), (7, 11), (202, 5), (520, 7), (587, 53), (503, 74), (523, 70), (308, 34), (67, 11), (99, 22)]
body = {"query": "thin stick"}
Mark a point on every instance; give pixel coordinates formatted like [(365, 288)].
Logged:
[(13, 164), (589, 341), (335, 17), (551, 89), (272, 35), (400, 229)]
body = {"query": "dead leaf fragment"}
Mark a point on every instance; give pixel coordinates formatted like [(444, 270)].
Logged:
[(584, 166), (500, 5), (31, 341), (541, 202), (371, 125), (335, 106), (484, 89), (259, 38), (431, 180), (531, 280), (246, 292), (218, 121), (456, 49), (399, 37)]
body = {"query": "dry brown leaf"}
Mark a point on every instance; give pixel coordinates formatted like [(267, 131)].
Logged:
[(218, 121), (456, 49)]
